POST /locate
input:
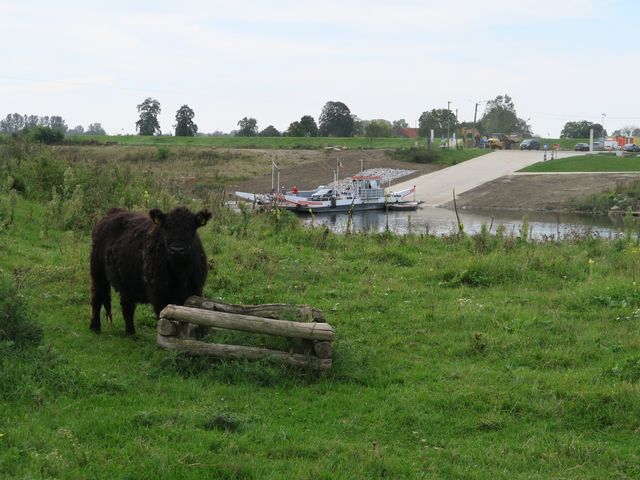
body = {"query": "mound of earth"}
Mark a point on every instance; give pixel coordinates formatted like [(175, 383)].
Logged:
[(306, 169)]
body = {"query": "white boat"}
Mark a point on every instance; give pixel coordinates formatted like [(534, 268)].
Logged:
[(364, 193)]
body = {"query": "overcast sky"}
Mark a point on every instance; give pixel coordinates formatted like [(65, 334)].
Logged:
[(560, 60)]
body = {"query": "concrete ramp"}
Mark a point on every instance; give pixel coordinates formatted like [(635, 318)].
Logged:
[(437, 188)]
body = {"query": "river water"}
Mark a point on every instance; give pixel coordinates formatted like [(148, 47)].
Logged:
[(442, 221)]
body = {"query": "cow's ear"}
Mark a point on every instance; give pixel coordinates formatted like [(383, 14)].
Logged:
[(202, 217), (157, 216)]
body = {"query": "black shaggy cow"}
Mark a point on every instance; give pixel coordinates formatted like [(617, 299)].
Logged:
[(156, 259)]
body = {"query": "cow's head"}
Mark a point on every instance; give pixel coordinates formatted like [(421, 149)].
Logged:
[(178, 228)]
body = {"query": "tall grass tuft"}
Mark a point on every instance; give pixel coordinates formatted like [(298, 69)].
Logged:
[(17, 327)]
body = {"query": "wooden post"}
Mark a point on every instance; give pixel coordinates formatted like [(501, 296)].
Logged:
[(245, 323)]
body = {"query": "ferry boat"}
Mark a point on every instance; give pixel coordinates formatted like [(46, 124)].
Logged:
[(364, 193)]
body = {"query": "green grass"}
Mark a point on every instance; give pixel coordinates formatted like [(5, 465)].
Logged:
[(253, 142), (565, 143), (476, 358), (482, 356), (603, 162)]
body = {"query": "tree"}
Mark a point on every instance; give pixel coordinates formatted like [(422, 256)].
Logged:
[(581, 129), (306, 127), (248, 127), (45, 134), (336, 120), (359, 126), (500, 116), (627, 131), (77, 130), (270, 131), (12, 123), (56, 122), (398, 126), (378, 129), (31, 121), (95, 129), (184, 122), (149, 111), (440, 120)]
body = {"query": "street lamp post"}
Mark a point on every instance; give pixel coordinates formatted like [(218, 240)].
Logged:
[(603, 116)]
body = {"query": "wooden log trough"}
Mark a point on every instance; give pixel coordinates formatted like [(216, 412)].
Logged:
[(178, 324)]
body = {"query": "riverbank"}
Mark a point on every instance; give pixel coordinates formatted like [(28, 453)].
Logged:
[(540, 192)]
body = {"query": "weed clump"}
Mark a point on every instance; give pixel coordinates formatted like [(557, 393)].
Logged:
[(223, 421), (16, 325)]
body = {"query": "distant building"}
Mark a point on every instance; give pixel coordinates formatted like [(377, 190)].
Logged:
[(409, 132)]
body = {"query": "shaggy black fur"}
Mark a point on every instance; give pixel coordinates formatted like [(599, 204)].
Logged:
[(156, 259)]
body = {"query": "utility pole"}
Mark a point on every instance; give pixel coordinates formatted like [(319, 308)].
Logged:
[(448, 111), (475, 113)]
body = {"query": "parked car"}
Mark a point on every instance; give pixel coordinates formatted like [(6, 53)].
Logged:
[(530, 144), (631, 147), (582, 147)]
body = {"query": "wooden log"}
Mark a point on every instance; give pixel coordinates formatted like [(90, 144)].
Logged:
[(323, 349), (167, 327), (304, 313), (245, 323), (236, 352)]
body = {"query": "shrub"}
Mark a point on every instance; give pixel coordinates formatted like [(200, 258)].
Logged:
[(16, 326), (417, 155), (47, 135)]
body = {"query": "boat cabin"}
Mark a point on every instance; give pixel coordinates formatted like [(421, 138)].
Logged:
[(367, 186)]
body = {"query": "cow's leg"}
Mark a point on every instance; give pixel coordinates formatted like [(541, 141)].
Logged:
[(100, 295), (128, 309)]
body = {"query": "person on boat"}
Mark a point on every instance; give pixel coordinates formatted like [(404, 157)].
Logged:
[(294, 190)]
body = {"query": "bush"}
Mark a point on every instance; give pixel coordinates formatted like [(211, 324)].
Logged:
[(417, 155), (47, 135), (16, 326)]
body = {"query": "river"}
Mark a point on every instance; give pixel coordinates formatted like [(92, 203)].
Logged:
[(442, 221)]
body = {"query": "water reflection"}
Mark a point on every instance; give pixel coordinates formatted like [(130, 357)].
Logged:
[(441, 221)]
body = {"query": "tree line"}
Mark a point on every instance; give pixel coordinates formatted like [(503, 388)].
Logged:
[(15, 123), (337, 120)]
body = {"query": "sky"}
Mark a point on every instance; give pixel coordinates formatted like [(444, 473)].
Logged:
[(276, 61)]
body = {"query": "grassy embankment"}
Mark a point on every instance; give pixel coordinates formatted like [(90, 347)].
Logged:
[(467, 356), (205, 168), (625, 196), (604, 162)]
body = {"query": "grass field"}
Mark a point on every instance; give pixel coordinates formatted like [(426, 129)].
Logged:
[(588, 163), (482, 356), (253, 142), (282, 142)]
